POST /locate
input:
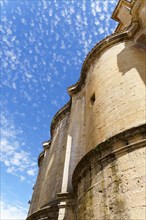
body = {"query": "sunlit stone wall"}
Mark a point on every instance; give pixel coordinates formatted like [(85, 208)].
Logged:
[(117, 79), (110, 180)]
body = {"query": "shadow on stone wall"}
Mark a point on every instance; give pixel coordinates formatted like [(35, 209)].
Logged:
[(133, 56)]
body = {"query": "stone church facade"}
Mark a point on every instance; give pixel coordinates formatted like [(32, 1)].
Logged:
[(93, 168)]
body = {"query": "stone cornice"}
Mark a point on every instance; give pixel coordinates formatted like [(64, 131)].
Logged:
[(40, 158), (92, 55), (124, 2), (59, 116), (43, 213), (134, 8)]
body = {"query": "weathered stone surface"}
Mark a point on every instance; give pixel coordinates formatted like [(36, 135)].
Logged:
[(117, 79), (47, 184), (112, 184)]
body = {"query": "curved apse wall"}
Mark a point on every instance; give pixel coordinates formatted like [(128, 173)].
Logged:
[(49, 179), (117, 80)]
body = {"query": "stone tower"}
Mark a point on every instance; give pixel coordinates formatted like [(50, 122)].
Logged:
[(93, 168)]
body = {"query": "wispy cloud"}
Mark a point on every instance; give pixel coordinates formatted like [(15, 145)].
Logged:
[(12, 211), (13, 155), (2, 2)]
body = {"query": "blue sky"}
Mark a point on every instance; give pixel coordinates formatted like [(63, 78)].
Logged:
[(44, 44)]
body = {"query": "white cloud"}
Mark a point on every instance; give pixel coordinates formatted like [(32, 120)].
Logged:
[(113, 1), (9, 31), (45, 4), (28, 75), (13, 38), (105, 6), (64, 12), (12, 211), (18, 162), (84, 6), (23, 21), (22, 178), (62, 45), (19, 11), (55, 103), (97, 22), (101, 30), (2, 2), (79, 19), (14, 85), (101, 17), (11, 55), (71, 10), (31, 172), (48, 78), (50, 12), (97, 6)]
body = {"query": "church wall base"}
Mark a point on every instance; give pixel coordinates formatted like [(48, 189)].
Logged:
[(109, 181)]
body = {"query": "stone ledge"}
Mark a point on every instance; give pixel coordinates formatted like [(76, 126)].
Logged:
[(40, 158), (47, 213)]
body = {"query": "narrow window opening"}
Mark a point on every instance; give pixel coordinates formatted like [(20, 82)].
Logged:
[(92, 99)]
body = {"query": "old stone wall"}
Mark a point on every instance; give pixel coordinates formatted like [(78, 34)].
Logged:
[(77, 132), (75, 150), (116, 81), (50, 175), (35, 197), (109, 181)]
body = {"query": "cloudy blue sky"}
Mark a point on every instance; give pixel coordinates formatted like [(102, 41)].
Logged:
[(44, 43)]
